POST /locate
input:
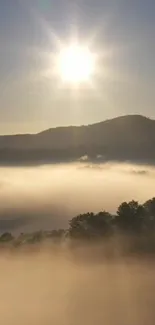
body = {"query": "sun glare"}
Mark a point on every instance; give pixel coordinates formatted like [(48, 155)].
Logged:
[(75, 64)]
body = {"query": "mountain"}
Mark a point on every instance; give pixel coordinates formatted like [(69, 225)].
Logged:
[(125, 138)]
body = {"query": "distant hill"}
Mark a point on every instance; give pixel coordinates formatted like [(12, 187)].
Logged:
[(125, 138)]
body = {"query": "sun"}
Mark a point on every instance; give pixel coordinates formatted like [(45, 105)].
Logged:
[(75, 64)]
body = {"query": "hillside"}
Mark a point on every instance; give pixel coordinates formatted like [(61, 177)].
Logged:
[(130, 137)]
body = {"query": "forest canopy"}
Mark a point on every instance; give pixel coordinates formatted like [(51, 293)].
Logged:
[(133, 221)]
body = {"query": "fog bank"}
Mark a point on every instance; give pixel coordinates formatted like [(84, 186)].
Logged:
[(43, 197), (45, 288)]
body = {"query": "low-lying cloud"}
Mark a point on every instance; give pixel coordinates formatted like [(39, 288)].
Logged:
[(56, 288), (45, 197)]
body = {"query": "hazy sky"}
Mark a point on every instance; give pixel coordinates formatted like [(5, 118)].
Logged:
[(123, 29)]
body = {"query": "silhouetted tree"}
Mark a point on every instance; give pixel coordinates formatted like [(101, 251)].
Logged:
[(56, 235), (90, 225), (6, 237), (137, 222), (149, 207), (36, 237), (130, 216)]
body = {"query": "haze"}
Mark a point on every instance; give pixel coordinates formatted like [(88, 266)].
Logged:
[(122, 31), (45, 197), (44, 288)]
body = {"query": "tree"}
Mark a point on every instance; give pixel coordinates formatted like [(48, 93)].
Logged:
[(149, 207), (90, 225), (36, 237), (130, 216), (6, 237)]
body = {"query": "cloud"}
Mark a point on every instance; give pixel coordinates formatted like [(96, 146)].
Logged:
[(99, 156), (92, 167), (84, 158), (35, 198)]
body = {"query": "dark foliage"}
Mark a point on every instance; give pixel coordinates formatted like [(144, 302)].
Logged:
[(90, 225), (134, 221), (131, 216), (6, 237)]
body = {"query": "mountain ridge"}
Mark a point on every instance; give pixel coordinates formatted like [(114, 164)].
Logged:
[(124, 138), (142, 117)]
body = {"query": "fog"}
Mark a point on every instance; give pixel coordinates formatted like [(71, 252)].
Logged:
[(62, 285), (46, 288), (45, 197)]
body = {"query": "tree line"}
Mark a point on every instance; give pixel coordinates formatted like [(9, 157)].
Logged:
[(131, 219)]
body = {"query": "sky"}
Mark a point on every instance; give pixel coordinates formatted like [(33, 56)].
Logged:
[(120, 32)]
